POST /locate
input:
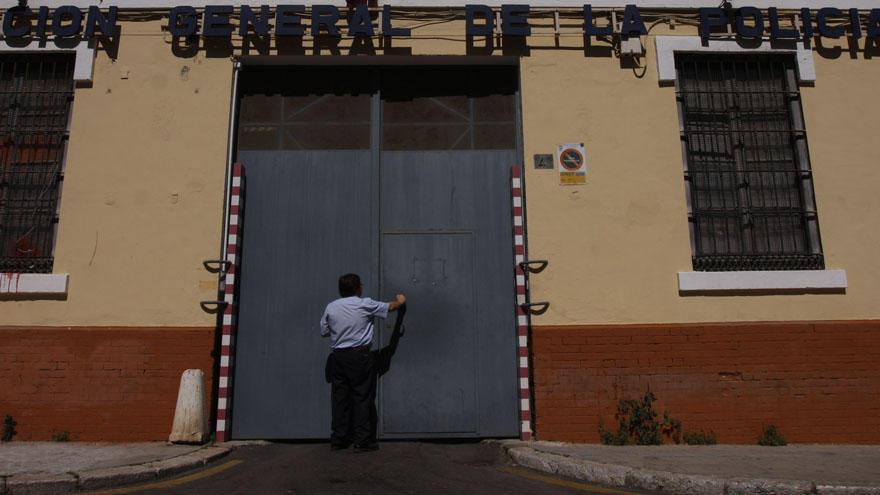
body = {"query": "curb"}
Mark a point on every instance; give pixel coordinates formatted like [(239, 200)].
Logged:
[(668, 482), (73, 482)]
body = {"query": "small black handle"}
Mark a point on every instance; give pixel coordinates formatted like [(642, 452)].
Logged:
[(534, 266), (536, 308), (212, 306), (221, 265)]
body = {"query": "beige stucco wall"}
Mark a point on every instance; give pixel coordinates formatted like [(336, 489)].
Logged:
[(142, 199), (141, 204), (616, 244)]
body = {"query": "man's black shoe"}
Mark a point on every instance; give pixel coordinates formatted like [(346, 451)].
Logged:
[(367, 447), (339, 446)]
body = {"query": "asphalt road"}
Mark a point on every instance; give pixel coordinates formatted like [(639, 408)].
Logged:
[(421, 468)]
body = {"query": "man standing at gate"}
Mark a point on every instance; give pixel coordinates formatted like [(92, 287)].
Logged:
[(348, 321)]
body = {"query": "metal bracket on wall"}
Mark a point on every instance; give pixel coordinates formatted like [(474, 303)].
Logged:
[(216, 266), (528, 267), (534, 266), (535, 308), (212, 306)]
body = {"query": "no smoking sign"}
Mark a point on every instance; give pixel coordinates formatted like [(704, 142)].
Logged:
[(572, 161)]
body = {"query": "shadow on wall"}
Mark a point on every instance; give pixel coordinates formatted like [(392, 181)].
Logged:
[(834, 48), (188, 47)]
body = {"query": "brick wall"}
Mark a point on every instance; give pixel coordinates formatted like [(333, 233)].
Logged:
[(99, 384), (818, 382)]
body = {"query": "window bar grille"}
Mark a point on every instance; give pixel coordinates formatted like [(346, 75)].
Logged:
[(36, 91), (749, 186)]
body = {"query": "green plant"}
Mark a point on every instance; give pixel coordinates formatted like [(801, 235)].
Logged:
[(771, 437), (638, 424), (61, 436), (8, 428), (700, 438)]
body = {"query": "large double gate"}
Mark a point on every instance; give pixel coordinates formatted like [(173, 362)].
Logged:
[(402, 176)]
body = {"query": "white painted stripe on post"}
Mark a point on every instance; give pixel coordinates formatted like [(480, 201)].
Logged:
[(226, 339), (236, 181), (522, 320), (224, 361), (517, 201), (522, 341), (516, 183), (521, 280), (231, 258), (235, 200), (520, 258), (227, 319), (520, 299), (233, 240), (527, 426), (524, 404), (517, 221), (233, 219), (518, 240), (228, 298), (224, 382), (221, 403), (524, 383), (221, 425), (523, 362), (230, 278)]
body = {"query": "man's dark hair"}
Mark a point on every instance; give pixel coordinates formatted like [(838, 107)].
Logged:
[(349, 284)]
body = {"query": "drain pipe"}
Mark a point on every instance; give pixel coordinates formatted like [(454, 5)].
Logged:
[(233, 113)]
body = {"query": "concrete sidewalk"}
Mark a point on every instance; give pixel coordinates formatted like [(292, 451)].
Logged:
[(715, 469), (54, 467)]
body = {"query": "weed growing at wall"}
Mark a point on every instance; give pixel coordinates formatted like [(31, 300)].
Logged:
[(700, 438), (9, 425), (61, 436), (772, 437), (637, 424)]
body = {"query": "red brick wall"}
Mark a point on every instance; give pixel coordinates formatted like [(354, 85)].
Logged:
[(99, 384), (818, 382)]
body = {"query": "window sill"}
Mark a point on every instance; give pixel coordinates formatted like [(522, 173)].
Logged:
[(757, 282), (50, 285)]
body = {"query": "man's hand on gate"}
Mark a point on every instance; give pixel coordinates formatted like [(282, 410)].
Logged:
[(399, 300)]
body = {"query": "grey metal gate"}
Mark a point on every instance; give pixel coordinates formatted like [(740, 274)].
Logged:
[(446, 242), (416, 216)]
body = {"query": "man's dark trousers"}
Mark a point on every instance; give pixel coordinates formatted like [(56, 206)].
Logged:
[(353, 396)]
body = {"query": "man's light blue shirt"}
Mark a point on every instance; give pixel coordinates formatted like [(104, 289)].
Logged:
[(348, 321)]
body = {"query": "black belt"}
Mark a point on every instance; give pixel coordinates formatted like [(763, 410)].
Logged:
[(360, 348)]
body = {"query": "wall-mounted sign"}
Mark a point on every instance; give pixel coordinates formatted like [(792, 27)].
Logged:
[(544, 162), (480, 20), (571, 160)]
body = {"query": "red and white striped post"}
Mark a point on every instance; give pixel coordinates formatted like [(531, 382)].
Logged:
[(227, 344), (522, 318)]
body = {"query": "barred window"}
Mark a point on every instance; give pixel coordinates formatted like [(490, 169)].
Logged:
[(747, 169), (36, 91)]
